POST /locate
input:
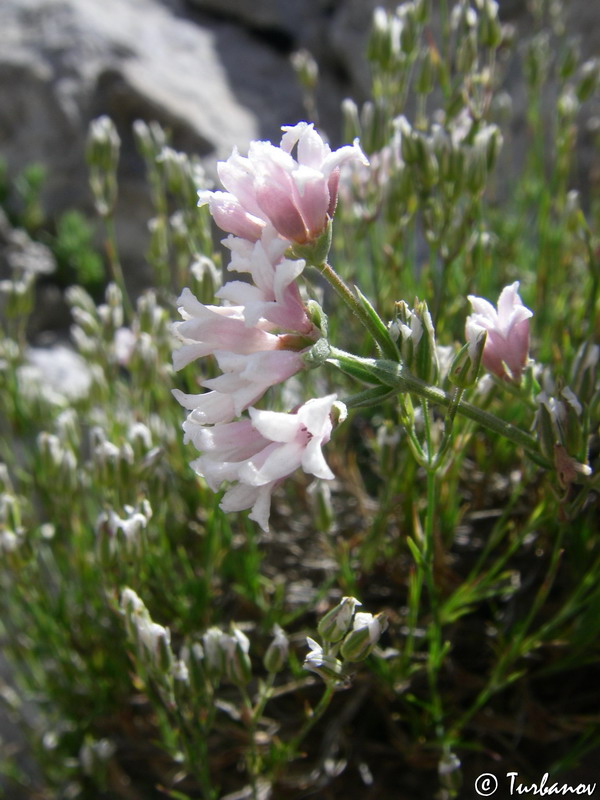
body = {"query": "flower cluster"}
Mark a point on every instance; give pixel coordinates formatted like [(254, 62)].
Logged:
[(345, 632), (262, 332), (506, 348)]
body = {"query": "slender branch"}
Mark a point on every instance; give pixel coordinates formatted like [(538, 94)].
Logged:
[(348, 296), (393, 374)]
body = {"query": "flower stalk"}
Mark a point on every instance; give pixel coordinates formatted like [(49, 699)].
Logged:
[(388, 373)]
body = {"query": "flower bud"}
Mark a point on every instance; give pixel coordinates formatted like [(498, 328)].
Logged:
[(544, 426), (213, 655), (585, 371), (150, 139), (490, 29), (589, 78), (350, 115), (306, 69), (449, 771), (276, 656), (336, 623), (506, 348), (465, 366), (235, 647), (153, 640), (193, 657), (102, 155), (413, 330), (562, 434), (380, 48), (366, 632)]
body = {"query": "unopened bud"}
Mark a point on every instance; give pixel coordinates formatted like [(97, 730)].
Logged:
[(465, 366), (102, 155), (544, 426), (336, 623), (277, 652), (589, 77), (366, 632), (414, 333), (490, 29), (306, 69), (213, 655), (235, 647)]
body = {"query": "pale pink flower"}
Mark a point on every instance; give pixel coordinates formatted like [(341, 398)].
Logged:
[(124, 345), (297, 196), (206, 329), (256, 454), (231, 216), (245, 378), (507, 344), (207, 408), (275, 296)]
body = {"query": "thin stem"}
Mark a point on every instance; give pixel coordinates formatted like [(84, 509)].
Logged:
[(434, 631), (348, 296), (393, 374), (114, 264), (314, 717), (448, 425), (252, 759)]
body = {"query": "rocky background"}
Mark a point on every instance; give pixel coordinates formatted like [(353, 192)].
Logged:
[(216, 73)]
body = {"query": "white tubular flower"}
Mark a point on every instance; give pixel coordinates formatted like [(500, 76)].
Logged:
[(256, 454), (207, 329), (275, 296), (327, 666)]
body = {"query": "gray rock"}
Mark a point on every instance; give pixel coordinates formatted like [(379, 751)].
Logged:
[(64, 62), (287, 16)]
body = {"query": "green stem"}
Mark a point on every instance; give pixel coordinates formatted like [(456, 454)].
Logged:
[(114, 263), (313, 719), (252, 759), (393, 374), (434, 631), (348, 296)]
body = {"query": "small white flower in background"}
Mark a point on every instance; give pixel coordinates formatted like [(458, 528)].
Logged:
[(126, 530), (124, 345), (213, 655), (235, 647), (10, 541), (180, 671), (94, 754), (131, 602), (153, 640), (277, 653), (506, 347)]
